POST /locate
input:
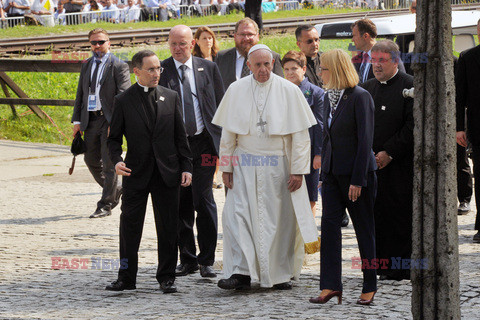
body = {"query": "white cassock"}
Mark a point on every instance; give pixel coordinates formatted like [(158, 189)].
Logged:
[(266, 229)]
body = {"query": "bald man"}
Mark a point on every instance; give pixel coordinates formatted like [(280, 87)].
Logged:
[(199, 84)]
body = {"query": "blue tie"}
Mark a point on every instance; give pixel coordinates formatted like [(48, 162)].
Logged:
[(363, 67)]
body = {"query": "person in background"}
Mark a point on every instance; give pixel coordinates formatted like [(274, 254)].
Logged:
[(233, 62), (102, 77), (206, 47), (17, 8), (308, 42), (59, 15), (131, 12), (348, 174), (294, 66), (112, 12)]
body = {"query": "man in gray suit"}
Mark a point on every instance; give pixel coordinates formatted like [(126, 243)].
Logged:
[(232, 62), (102, 77)]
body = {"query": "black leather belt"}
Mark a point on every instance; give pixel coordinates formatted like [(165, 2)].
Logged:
[(95, 114)]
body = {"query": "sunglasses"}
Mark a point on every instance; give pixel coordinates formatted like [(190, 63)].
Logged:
[(101, 42)]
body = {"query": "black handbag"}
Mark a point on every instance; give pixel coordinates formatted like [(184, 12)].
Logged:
[(78, 147)]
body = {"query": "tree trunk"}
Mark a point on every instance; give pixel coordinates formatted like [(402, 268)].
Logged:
[(435, 236)]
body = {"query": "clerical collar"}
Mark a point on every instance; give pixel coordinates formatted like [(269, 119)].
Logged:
[(145, 88), (386, 82), (266, 83)]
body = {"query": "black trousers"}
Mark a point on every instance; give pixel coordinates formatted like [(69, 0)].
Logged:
[(335, 201), (464, 176), (97, 159), (253, 10), (199, 197), (165, 211), (476, 176)]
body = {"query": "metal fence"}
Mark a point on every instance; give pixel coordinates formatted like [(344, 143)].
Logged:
[(174, 12)]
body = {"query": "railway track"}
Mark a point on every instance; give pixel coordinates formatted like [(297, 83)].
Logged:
[(79, 42)]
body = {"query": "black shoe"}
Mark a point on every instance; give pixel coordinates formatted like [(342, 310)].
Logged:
[(119, 285), (100, 213), (168, 286), (476, 238), (463, 208), (185, 268), (118, 195), (283, 286), (236, 282), (207, 272), (345, 220)]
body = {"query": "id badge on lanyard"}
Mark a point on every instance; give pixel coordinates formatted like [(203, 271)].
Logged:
[(92, 102)]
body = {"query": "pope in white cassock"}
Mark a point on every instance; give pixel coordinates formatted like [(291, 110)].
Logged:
[(264, 153)]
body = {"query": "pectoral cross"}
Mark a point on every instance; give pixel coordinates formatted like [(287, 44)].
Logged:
[(262, 124)]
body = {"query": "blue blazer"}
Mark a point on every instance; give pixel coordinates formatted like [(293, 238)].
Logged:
[(314, 96), (347, 142)]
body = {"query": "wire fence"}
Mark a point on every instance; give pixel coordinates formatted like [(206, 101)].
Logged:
[(135, 14)]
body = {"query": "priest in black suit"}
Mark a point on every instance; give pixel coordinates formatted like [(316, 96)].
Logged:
[(467, 84), (158, 161), (232, 62), (199, 83), (393, 147)]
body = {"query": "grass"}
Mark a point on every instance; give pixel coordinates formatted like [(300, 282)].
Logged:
[(33, 31)]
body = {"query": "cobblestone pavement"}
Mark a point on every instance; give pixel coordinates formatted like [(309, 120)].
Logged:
[(44, 214)]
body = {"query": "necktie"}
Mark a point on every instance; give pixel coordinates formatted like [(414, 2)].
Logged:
[(245, 71), (363, 67), (93, 83), (188, 109)]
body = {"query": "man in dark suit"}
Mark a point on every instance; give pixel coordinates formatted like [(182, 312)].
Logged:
[(308, 42), (364, 33), (158, 161), (102, 77), (233, 63), (467, 82), (253, 10), (199, 83)]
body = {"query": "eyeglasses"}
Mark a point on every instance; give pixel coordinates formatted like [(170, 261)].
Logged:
[(100, 43), (154, 70), (323, 69), (379, 60), (247, 35)]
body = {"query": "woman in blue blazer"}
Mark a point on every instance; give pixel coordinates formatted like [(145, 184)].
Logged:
[(348, 175), (294, 65)]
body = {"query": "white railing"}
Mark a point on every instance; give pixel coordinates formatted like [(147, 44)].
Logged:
[(157, 14)]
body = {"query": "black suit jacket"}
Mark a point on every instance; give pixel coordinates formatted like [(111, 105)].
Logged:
[(226, 61), (357, 62), (115, 79), (347, 142), (164, 145), (467, 83), (209, 86)]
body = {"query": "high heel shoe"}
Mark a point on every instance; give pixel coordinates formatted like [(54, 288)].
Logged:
[(327, 297), (366, 302)]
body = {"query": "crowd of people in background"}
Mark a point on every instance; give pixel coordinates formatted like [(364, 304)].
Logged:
[(51, 12)]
